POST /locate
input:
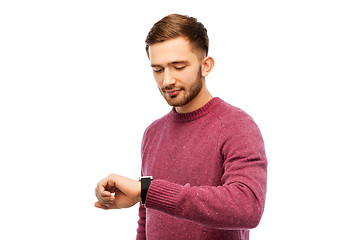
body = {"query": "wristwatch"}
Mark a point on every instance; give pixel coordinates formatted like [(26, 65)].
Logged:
[(145, 184)]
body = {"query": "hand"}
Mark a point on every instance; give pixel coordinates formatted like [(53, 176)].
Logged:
[(127, 192)]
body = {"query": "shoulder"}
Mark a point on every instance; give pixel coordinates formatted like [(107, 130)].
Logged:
[(236, 124), (239, 134), (229, 115)]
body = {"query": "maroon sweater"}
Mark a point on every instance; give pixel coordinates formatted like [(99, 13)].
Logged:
[(209, 168)]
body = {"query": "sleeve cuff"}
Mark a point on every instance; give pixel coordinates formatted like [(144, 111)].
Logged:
[(163, 196)]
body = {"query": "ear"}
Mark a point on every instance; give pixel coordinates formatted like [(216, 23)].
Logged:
[(207, 65)]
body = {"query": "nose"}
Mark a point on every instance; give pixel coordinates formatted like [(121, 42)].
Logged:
[(168, 78)]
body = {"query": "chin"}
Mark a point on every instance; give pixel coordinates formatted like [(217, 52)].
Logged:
[(177, 101)]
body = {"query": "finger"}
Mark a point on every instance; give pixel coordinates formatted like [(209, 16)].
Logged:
[(102, 206), (101, 192), (111, 189), (105, 197), (106, 201), (104, 190), (106, 184)]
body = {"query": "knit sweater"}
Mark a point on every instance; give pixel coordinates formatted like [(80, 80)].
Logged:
[(210, 171)]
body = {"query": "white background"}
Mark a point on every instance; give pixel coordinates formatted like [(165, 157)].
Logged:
[(77, 92)]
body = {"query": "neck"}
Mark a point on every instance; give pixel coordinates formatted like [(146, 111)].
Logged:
[(200, 100)]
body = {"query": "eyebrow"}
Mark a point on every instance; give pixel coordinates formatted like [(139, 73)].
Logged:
[(171, 63)]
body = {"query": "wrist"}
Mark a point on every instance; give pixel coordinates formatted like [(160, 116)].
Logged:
[(139, 191)]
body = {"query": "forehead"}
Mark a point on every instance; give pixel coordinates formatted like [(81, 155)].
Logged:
[(172, 50)]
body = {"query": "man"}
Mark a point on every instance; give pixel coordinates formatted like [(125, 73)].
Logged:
[(206, 157)]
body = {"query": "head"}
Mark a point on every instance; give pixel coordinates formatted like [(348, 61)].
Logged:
[(177, 47), (176, 25)]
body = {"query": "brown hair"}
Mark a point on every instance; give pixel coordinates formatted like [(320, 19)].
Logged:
[(176, 25)]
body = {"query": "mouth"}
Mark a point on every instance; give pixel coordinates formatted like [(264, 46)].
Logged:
[(172, 93)]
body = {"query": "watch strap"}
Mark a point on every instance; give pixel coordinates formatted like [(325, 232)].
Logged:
[(145, 184)]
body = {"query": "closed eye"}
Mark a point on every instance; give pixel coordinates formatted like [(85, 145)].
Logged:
[(157, 70), (179, 68)]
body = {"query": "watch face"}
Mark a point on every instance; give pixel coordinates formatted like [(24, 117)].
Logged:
[(148, 177)]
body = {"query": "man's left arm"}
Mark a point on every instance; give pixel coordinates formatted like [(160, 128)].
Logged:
[(237, 204)]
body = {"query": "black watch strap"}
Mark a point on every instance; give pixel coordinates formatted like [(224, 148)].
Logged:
[(145, 184)]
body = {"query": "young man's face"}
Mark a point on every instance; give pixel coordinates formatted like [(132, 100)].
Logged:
[(177, 70)]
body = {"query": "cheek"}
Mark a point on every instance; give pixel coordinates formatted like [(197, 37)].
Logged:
[(158, 80), (190, 75)]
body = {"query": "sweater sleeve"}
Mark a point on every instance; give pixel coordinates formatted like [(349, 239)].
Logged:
[(141, 231), (238, 203)]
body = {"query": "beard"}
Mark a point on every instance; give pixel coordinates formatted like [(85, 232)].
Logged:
[(186, 95)]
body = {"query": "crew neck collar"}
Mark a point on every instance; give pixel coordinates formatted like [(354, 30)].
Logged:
[(187, 117)]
